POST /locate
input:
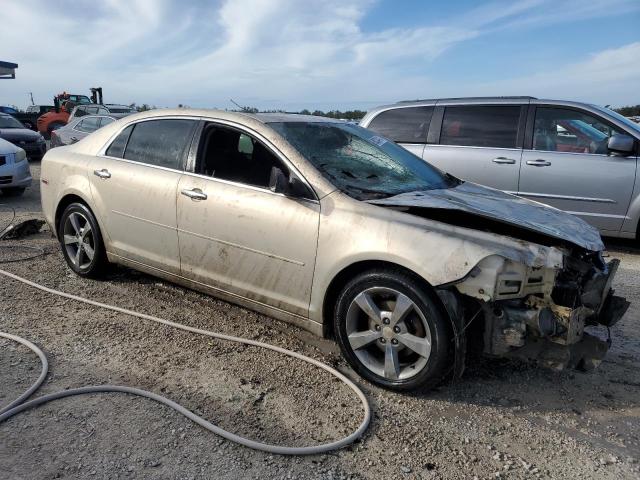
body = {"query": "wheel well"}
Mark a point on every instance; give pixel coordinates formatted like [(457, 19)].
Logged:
[(346, 274), (64, 203)]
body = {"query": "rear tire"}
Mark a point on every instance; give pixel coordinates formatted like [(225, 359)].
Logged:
[(81, 241), (13, 191), (392, 331)]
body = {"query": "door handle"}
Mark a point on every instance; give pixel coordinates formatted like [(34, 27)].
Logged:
[(104, 173), (73, 139), (539, 162), (194, 194), (504, 160)]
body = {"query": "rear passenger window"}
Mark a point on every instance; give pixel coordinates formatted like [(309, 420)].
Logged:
[(403, 125), (90, 124), (480, 126), (159, 142), (106, 121), (116, 149)]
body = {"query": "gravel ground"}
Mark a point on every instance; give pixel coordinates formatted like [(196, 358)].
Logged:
[(501, 420)]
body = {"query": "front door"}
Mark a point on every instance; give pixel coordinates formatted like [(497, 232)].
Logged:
[(134, 187), (238, 236), (569, 167)]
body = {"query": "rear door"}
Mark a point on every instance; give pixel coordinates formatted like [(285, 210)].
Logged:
[(567, 165), (407, 126), (479, 143), (134, 187)]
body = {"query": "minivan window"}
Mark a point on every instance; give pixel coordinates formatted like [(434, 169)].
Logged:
[(481, 126), (359, 162), (116, 149), (568, 130), (159, 142), (403, 125)]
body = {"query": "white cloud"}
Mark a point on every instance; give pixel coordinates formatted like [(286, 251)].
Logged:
[(611, 76), (268, 53)]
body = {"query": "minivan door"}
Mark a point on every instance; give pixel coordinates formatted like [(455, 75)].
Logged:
[(479, 143), (567, 165)]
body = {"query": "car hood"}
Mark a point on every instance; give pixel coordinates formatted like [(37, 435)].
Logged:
[(7, 147), (18, 134), (505, 208)]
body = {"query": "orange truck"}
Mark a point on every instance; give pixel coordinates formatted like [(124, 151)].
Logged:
[(64, 104)]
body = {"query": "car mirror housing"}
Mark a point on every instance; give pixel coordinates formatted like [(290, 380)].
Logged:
[(621, 144), (278, 181), (290, 186)]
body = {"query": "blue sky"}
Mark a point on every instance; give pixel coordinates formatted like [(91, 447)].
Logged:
[(321, 54)]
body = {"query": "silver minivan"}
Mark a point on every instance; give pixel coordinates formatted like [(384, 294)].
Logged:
[(577, 157)]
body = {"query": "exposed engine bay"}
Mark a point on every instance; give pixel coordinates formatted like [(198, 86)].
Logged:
[(540, 314), (510, 309)]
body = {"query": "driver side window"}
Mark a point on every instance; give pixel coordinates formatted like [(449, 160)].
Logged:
[(229, 154), (567, 130)]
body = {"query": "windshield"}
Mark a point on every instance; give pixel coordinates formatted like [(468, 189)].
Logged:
[(9, 122), (621, 118), (359, 162)]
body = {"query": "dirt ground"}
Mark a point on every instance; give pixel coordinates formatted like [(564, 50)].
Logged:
[(501, 420)]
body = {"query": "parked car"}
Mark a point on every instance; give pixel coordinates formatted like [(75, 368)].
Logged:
[(78, 128), (332, 227), (112, 110), (29, 117), (15, 175), (15, 132), (578, 157)]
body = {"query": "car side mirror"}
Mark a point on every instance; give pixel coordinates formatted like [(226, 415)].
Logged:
[(278, 181), (290, 186), (621, 144)]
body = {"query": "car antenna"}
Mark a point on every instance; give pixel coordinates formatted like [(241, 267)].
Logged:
[(31, 95), (236, 104)]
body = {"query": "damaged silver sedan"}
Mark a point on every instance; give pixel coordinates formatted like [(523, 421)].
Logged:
[(333, 228)]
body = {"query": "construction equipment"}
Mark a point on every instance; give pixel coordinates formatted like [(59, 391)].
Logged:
[(63, 106)]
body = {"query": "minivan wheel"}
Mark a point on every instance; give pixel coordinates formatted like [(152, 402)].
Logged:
[(81, 241), (391, 331)]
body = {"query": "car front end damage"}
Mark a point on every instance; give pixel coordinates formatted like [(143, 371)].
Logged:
[(540, 313), (535, 306)]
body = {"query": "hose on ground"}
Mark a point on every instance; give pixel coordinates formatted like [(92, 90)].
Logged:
[(19, 405)]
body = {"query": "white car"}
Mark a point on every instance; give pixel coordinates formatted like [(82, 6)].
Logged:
[(15, 175)]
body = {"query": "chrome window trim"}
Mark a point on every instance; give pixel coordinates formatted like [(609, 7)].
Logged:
[(273, 150), (102, 153), (511, 149), (247, 186), (633, 157)]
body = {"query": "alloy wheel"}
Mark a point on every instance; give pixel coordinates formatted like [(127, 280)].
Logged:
[(388, 333), (78, 240)]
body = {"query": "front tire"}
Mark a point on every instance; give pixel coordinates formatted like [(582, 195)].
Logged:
[(392, 331), (81, 241)]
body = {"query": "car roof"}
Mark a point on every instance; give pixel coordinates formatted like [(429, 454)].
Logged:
[(264, 118)]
